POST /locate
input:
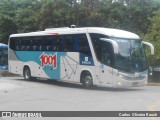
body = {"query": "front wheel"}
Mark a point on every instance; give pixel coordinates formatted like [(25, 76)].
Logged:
[(87, 81)]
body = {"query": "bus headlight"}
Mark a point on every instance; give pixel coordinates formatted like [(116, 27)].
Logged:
[(140, 77), (119, 83), (124, 77)]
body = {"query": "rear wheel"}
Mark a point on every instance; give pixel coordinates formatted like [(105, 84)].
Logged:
[(87, 81), (27, 74)]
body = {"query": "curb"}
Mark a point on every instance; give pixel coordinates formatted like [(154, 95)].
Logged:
[(153, 84)]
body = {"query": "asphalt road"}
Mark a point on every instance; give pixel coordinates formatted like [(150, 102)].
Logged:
[(17, 94)]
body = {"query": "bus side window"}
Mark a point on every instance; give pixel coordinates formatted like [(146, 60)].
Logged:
[(107, 53), (68, 43), (75, 45), (13, 43), (18, 44), (95, 38), (51, 43), (25, 45), (54, 45), (41, 44), (84, 45), (48, 45), (59, 44), (97, 47), (35, 45)]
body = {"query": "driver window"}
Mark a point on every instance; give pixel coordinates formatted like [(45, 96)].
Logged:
[(103, 50), (106, 53)]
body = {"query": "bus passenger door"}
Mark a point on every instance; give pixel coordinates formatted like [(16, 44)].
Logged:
[(106, 56), (106, 76)]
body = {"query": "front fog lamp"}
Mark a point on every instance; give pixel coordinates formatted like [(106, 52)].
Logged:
[(119, 83)]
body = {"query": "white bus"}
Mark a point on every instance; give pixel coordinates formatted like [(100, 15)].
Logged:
[(91, 56)]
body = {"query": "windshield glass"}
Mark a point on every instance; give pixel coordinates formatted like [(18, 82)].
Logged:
[(3, 56), (131, 57)]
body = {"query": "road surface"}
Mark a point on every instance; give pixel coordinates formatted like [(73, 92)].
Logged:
[(17, 94)]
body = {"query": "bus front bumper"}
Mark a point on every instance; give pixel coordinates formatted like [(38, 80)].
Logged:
[(119, 82)]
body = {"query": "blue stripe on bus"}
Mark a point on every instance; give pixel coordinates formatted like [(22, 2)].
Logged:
[(53, 73), (52, 70)]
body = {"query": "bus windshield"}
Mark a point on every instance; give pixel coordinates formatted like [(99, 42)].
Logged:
[(131, 57)]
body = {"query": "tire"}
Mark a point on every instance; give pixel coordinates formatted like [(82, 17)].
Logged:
[(27, 74), (87, 81)]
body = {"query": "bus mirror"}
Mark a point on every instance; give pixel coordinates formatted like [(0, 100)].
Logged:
[(150, 45), (114, 44)]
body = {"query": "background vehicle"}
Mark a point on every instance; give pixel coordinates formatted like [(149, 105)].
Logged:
[(99, 56), (3, 56)]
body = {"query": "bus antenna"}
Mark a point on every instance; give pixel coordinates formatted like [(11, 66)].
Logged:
[(73, 26)]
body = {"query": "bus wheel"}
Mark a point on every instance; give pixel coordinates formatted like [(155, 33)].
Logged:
[(27, 73), (87, 81)]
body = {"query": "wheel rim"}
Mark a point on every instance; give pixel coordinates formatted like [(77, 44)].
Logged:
[(27, 74), (88, 81)]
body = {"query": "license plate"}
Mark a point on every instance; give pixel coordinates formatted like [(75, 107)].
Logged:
[(135, 84)]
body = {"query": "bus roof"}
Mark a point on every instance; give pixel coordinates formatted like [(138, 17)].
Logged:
[(61, 31), (3, 45)]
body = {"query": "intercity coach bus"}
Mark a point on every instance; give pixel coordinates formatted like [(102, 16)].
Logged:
[(91, 56)]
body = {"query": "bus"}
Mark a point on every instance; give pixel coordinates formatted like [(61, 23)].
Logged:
[(89, 55), (3, 56)]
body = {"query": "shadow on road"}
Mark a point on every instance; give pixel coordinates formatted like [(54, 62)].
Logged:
[(79, 86)]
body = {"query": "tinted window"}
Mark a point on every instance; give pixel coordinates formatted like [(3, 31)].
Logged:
[(25, 44), (12, 43), (103, 50), (84, 45), (62, 43)]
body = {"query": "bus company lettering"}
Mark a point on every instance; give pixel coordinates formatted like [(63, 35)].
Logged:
[(49, 60)]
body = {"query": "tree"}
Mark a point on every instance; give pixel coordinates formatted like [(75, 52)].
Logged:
[(27, 15), (55, 13), (153, 36), (17, 16), (7, 19)]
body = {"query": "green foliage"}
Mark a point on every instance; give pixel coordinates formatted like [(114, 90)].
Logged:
[(7, 21), (18, 16), (55, 13), (26, 15), (153, 36)]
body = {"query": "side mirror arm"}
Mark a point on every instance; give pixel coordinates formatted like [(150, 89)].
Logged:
[(150, 45), (115, 45)]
